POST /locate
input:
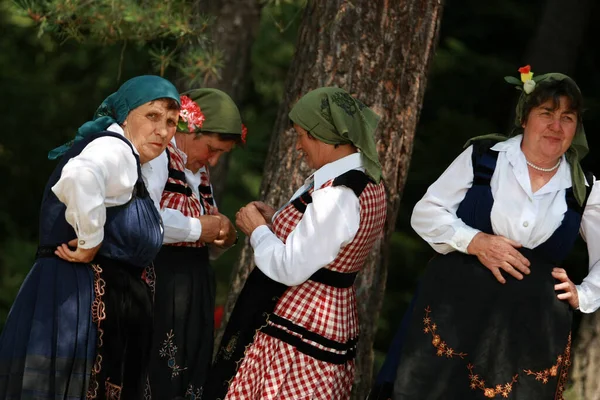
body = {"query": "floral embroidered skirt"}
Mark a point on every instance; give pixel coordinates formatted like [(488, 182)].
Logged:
[(273, 369), (183, 323), (471, 337)]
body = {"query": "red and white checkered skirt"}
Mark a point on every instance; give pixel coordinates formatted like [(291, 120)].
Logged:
[(275, 369)]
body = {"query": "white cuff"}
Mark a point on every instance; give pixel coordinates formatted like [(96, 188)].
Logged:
[(259, 234), (195, 230), (584, 303), (462, 238), (91, 240)]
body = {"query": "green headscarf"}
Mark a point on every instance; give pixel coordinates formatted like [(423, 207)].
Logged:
[(579, 146), (220, 112), (332, 116), (115, 108)]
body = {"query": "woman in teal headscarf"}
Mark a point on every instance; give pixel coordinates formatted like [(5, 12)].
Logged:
[(492, 317), (294, 329), (80, 325)]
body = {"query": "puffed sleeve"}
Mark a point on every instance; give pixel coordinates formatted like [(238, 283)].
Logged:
[(589, 290), (329, 222), (434, 216), (102, 175)]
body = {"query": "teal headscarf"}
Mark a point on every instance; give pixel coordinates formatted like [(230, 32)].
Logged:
[(115, 108), (579, 146), (332, 116)]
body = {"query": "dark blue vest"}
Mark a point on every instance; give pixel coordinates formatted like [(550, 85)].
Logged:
[(132, 232), (475, 210)]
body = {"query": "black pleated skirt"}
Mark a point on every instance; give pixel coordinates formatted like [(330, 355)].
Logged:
[(183, 323), (471, 337)]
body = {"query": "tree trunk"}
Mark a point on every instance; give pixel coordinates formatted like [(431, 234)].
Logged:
[(586, 360), (233, 32), (380, 52), (559, 37)]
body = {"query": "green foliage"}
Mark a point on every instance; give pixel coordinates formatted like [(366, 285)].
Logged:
[(175, 34)]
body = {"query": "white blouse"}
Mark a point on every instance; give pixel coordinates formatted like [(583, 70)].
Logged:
[(518, 214), (329, 223), (102, 175), (178, 227)]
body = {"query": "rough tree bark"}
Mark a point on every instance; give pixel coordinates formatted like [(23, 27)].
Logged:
[(233, 31), (379, 51)]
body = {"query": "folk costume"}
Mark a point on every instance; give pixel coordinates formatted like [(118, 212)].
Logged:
[(80, 330), (185, 282), (471, 337), (294, 329)]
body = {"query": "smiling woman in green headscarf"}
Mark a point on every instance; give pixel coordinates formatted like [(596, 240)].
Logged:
[(80, 325), (492, 317), (307, 255)]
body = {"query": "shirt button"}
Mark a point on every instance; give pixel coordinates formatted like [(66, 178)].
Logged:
[(82, 242), (459, 244), (525, 224)]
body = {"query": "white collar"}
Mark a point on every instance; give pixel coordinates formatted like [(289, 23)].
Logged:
[(516, 157), (116, 128), (336, 168)]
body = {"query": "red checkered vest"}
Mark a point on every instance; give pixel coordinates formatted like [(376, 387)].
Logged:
[(329, 311), (177, 194)]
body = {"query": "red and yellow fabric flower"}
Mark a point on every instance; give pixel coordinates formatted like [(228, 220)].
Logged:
[(244, 133), (527, 79)]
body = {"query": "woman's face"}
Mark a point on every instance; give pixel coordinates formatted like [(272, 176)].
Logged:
[(203, 150), (313, 150), (548, 132), (150, 127)]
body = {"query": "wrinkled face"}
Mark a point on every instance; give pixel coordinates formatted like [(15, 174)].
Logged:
[(150, 127), (204, 150), (548, 131), (313, 150)]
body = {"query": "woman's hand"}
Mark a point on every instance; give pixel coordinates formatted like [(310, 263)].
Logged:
[(78, 255), (227, 233), (266, 210), (570, 291), (211, 228), (249, 218), (499, 253)]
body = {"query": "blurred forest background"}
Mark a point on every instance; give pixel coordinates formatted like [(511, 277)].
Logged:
[(50, 86)]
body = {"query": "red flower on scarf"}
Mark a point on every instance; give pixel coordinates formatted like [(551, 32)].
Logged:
[(191, 114), (244, 133), (525, 70)]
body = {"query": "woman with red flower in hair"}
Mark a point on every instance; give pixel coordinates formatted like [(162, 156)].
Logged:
[(209, 126)]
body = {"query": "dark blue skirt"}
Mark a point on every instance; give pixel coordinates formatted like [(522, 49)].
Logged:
[(48, 345)]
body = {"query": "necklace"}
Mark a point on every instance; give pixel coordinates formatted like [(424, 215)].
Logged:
[(532, 165)]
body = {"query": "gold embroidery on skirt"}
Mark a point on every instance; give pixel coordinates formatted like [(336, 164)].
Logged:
[(98, 315), (490, 392), (113, 392), (442, 347)]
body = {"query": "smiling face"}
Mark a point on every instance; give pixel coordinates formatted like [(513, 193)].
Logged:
[(150, 127), (314, 151), (549, 131), (202, 150)]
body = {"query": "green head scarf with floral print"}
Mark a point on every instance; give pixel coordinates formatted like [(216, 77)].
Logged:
[(332, 116)]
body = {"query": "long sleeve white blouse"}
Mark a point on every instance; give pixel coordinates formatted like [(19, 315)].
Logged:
[(178, 227), (329, 223), (518, 213), (102, 175)]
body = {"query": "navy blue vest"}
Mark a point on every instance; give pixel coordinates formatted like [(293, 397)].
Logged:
[(132, 232), (475, 210)]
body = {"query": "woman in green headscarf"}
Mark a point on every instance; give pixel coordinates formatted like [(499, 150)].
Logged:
[(492, 317), (210, 126), (80, 326), (294, 329)]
